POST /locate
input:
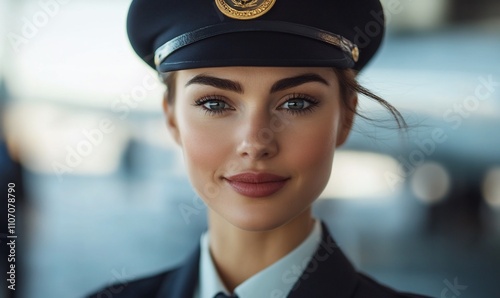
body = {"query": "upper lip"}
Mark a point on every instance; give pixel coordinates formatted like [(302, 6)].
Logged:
[(254, 177)]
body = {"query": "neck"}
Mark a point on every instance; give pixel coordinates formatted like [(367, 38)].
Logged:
[(238, 254)]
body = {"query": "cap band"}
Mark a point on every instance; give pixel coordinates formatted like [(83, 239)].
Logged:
[(186, 39)]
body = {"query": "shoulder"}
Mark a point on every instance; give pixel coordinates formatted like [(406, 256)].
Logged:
[(144, 287), (332, 272), (176, 282), (367, 287)]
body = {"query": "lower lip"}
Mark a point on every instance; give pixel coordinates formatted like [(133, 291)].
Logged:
[(257, 190)]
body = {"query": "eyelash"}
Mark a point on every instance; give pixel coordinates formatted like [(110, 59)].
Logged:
[(200, 103), (313, 103)]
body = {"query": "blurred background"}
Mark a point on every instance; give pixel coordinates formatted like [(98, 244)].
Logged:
[(102, 196)]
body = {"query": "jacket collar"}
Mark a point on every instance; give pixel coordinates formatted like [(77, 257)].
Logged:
[(182, 281), (329, 271)]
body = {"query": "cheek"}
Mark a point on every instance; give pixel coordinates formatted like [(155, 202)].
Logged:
[(205, 147), (316, 149), (313, 154), (198, 144)]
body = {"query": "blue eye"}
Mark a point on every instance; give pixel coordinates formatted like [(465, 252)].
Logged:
[(296, 104), (299, 104), (213, 105)]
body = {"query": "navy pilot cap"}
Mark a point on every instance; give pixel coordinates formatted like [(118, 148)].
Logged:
[(182, 34)]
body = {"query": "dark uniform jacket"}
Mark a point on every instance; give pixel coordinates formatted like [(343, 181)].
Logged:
[(328, 275)]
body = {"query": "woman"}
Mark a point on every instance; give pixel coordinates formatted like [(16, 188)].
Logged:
[(260, 93)]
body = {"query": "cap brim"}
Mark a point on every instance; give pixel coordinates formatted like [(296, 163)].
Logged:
[(256, 49)]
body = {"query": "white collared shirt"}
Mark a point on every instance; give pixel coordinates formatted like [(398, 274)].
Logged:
[(275, 281)]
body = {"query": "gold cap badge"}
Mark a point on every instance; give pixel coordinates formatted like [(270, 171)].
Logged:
[(244, 9), (355, 54)]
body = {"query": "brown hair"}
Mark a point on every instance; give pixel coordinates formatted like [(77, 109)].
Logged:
[(348, 85)]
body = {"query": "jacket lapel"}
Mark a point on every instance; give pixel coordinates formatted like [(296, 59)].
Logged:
[(328, 273), (182, 281)]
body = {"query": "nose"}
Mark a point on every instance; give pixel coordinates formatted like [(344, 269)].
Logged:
[(257, 139)]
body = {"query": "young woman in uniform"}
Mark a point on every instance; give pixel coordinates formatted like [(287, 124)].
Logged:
[(260, 93)]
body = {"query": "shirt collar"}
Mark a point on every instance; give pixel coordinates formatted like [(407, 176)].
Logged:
[(275, 281), (209, 281)]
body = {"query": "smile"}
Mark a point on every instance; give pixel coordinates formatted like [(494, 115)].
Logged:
[(256, 185)]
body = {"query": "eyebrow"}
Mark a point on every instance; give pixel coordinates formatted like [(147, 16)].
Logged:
[(216, 82), (288, 83), (280, 85)]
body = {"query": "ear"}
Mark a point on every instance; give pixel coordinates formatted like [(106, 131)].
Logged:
[(348, 113), (168, 109)]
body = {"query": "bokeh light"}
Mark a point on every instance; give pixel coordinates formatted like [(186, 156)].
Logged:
[(431, 182)]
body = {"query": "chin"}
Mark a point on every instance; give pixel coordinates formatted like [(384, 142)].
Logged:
[(259, 221)]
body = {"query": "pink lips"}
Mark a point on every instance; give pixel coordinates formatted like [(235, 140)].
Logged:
[(256, 185)]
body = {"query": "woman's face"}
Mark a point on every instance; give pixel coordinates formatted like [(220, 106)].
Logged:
[(258, 142)]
